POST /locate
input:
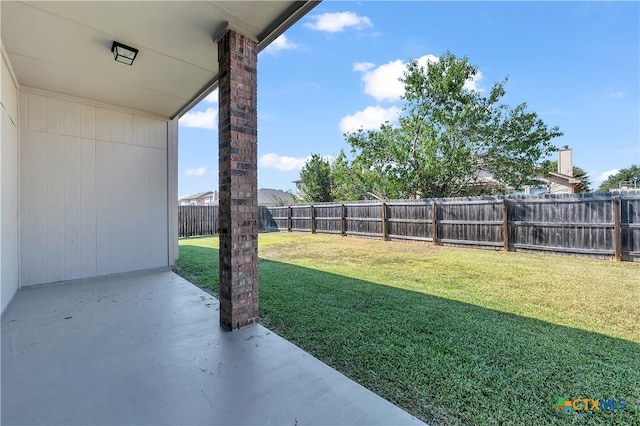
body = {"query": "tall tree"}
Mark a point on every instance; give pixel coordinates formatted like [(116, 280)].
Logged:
[(578, 173), (351, 181), (630, 175), (346, 180), (448, 132), (316, 180)]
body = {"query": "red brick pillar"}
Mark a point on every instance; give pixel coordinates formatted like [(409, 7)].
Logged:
[(238, 180)]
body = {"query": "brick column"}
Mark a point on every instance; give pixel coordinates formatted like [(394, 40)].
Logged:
[(238, 180)]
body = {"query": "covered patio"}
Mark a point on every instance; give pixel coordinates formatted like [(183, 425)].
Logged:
[(91, 97), (95, 327), (147, 349)]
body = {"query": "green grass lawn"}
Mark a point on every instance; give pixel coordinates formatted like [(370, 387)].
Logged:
[(454, 336)]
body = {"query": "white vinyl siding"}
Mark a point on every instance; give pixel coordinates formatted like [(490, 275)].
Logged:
[(9, 152), (93, 189)]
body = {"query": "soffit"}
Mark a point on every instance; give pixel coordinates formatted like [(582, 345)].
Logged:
[(64, 47)]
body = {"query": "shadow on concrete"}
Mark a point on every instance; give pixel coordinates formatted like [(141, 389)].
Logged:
[(442, 360)]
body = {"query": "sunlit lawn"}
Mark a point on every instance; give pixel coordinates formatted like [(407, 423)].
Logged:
[(454, 336)]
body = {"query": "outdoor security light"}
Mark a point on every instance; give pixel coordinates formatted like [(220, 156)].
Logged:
[(123, 53)]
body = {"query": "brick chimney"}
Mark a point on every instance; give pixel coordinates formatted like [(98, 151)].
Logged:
[(565, 161)]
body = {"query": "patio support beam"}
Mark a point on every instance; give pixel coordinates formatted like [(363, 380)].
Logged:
[(238, 180)]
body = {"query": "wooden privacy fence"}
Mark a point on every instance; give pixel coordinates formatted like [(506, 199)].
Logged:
[(197, 220), (203, 220), (582, 224)]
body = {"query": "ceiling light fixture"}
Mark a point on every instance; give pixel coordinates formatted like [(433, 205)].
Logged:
[(123, 53)]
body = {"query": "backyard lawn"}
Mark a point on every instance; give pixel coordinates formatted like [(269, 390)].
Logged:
[(453, 335)]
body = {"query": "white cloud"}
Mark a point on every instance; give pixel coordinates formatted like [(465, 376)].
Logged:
[(285, 163), (383, 82), (279, 44), (370, 118), (282, 163), (425, 60), (614, 95), (604, 175), (598, 177), (472, 83), (363, 66), (212, 97), (337, 22), (200, 171), (207, 119)]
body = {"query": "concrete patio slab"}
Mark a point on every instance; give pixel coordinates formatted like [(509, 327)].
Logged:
[(147, 349)]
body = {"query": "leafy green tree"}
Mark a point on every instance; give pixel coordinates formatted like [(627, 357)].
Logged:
[(345, 179), (351, 181), (548, 166), (316, 180), (630, 175), (447, 132)]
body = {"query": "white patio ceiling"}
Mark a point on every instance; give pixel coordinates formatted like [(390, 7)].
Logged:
[(64, 47)]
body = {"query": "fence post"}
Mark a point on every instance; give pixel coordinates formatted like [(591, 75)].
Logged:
[(342, 230), (505, 225), (196, 221), (384, 221), (313, 219), (189, 221), (289, 219), (617, 234), (434, 223)]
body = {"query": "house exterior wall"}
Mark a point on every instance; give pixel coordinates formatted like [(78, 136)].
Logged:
[(93, 189), (556, 186), (202, 201), (9, 278)]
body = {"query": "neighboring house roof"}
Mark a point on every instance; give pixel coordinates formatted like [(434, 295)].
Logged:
[(267, 196), (556, 182), (569, 179), (196, 196), (484, 176)]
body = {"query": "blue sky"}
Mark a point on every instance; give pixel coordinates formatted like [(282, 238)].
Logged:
[(577, 64)]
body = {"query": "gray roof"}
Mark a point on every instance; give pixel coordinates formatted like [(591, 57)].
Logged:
[(196, 196), (268, 196)]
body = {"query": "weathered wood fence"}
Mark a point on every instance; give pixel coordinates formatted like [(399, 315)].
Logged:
[(203, 220), (599, 225)]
